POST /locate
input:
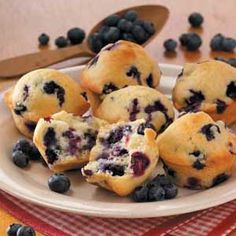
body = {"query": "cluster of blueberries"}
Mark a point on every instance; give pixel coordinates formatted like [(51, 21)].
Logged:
[(74, 36), (192, 41), (159, 188), (127, 27), (20, 230), (25, 151)]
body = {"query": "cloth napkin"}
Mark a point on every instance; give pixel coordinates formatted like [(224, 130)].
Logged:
[(216, 221)]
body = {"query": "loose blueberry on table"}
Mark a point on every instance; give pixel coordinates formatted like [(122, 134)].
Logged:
[(191, 41), (25, 231), (43, 39), (157, 189), (59, 183), (76, 35), (170, 45), (12, 229), (195, 19), (61, 42)]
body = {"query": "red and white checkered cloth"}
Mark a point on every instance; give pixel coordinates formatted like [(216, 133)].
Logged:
[(216, 221)]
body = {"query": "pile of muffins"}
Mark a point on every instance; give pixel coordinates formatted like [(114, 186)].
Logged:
[(116, 126)]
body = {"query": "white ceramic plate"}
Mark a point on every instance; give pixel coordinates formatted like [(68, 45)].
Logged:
[(31, 184)]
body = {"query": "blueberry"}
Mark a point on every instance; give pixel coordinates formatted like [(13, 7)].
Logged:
[(183, 39), (193, 183), (19, 109), (149, 80), (134, 73), (53, 88), (12, 229), (208, 131), (162, 180), (30, 125), (228, 44), (124, 25), (195, 19), (112, 35), (116, 170), (219, 179), (43, 39), (103, 29), (25, 231), (61, 42), (148, 27), (115, 135), (221, 59), (171, 191), (108, 88), (170, 45), (216, 42), (198, 165), (59, 183), (20, 159), (194, 42), (112, 20), (134, 109), (128, 37), (232, 61), (131, 15), (140, 194), (76, 35), (143, 126), (231, 90), (95, 42), (156, 193), (139, 163), (220, 106), (139, 34), (195, 99), (23, 145), (34, 154), (139, 22)]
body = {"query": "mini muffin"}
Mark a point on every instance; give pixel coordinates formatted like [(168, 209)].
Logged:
[(123, 157), (65, 140), (197, 152), (119, 65), (137, 102), (208, 86), (42, 93)]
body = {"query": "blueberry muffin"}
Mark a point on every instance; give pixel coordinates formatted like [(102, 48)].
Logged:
[(119, 65), (197, 152), (137, 102), (208, 86), (42, 93), (124, 156), (65, 140)]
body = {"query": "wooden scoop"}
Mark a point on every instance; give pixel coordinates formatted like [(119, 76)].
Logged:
[(20, 65)]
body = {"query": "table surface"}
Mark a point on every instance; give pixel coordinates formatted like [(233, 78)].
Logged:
[(23, 21)]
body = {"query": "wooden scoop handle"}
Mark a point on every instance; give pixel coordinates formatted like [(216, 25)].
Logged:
[(20, 65)]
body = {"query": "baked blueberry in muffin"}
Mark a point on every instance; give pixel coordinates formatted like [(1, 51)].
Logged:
[(65, 140), (205, 154), (117, 66), (209, 86), (42, 93), (137, 102), (122, 158)]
